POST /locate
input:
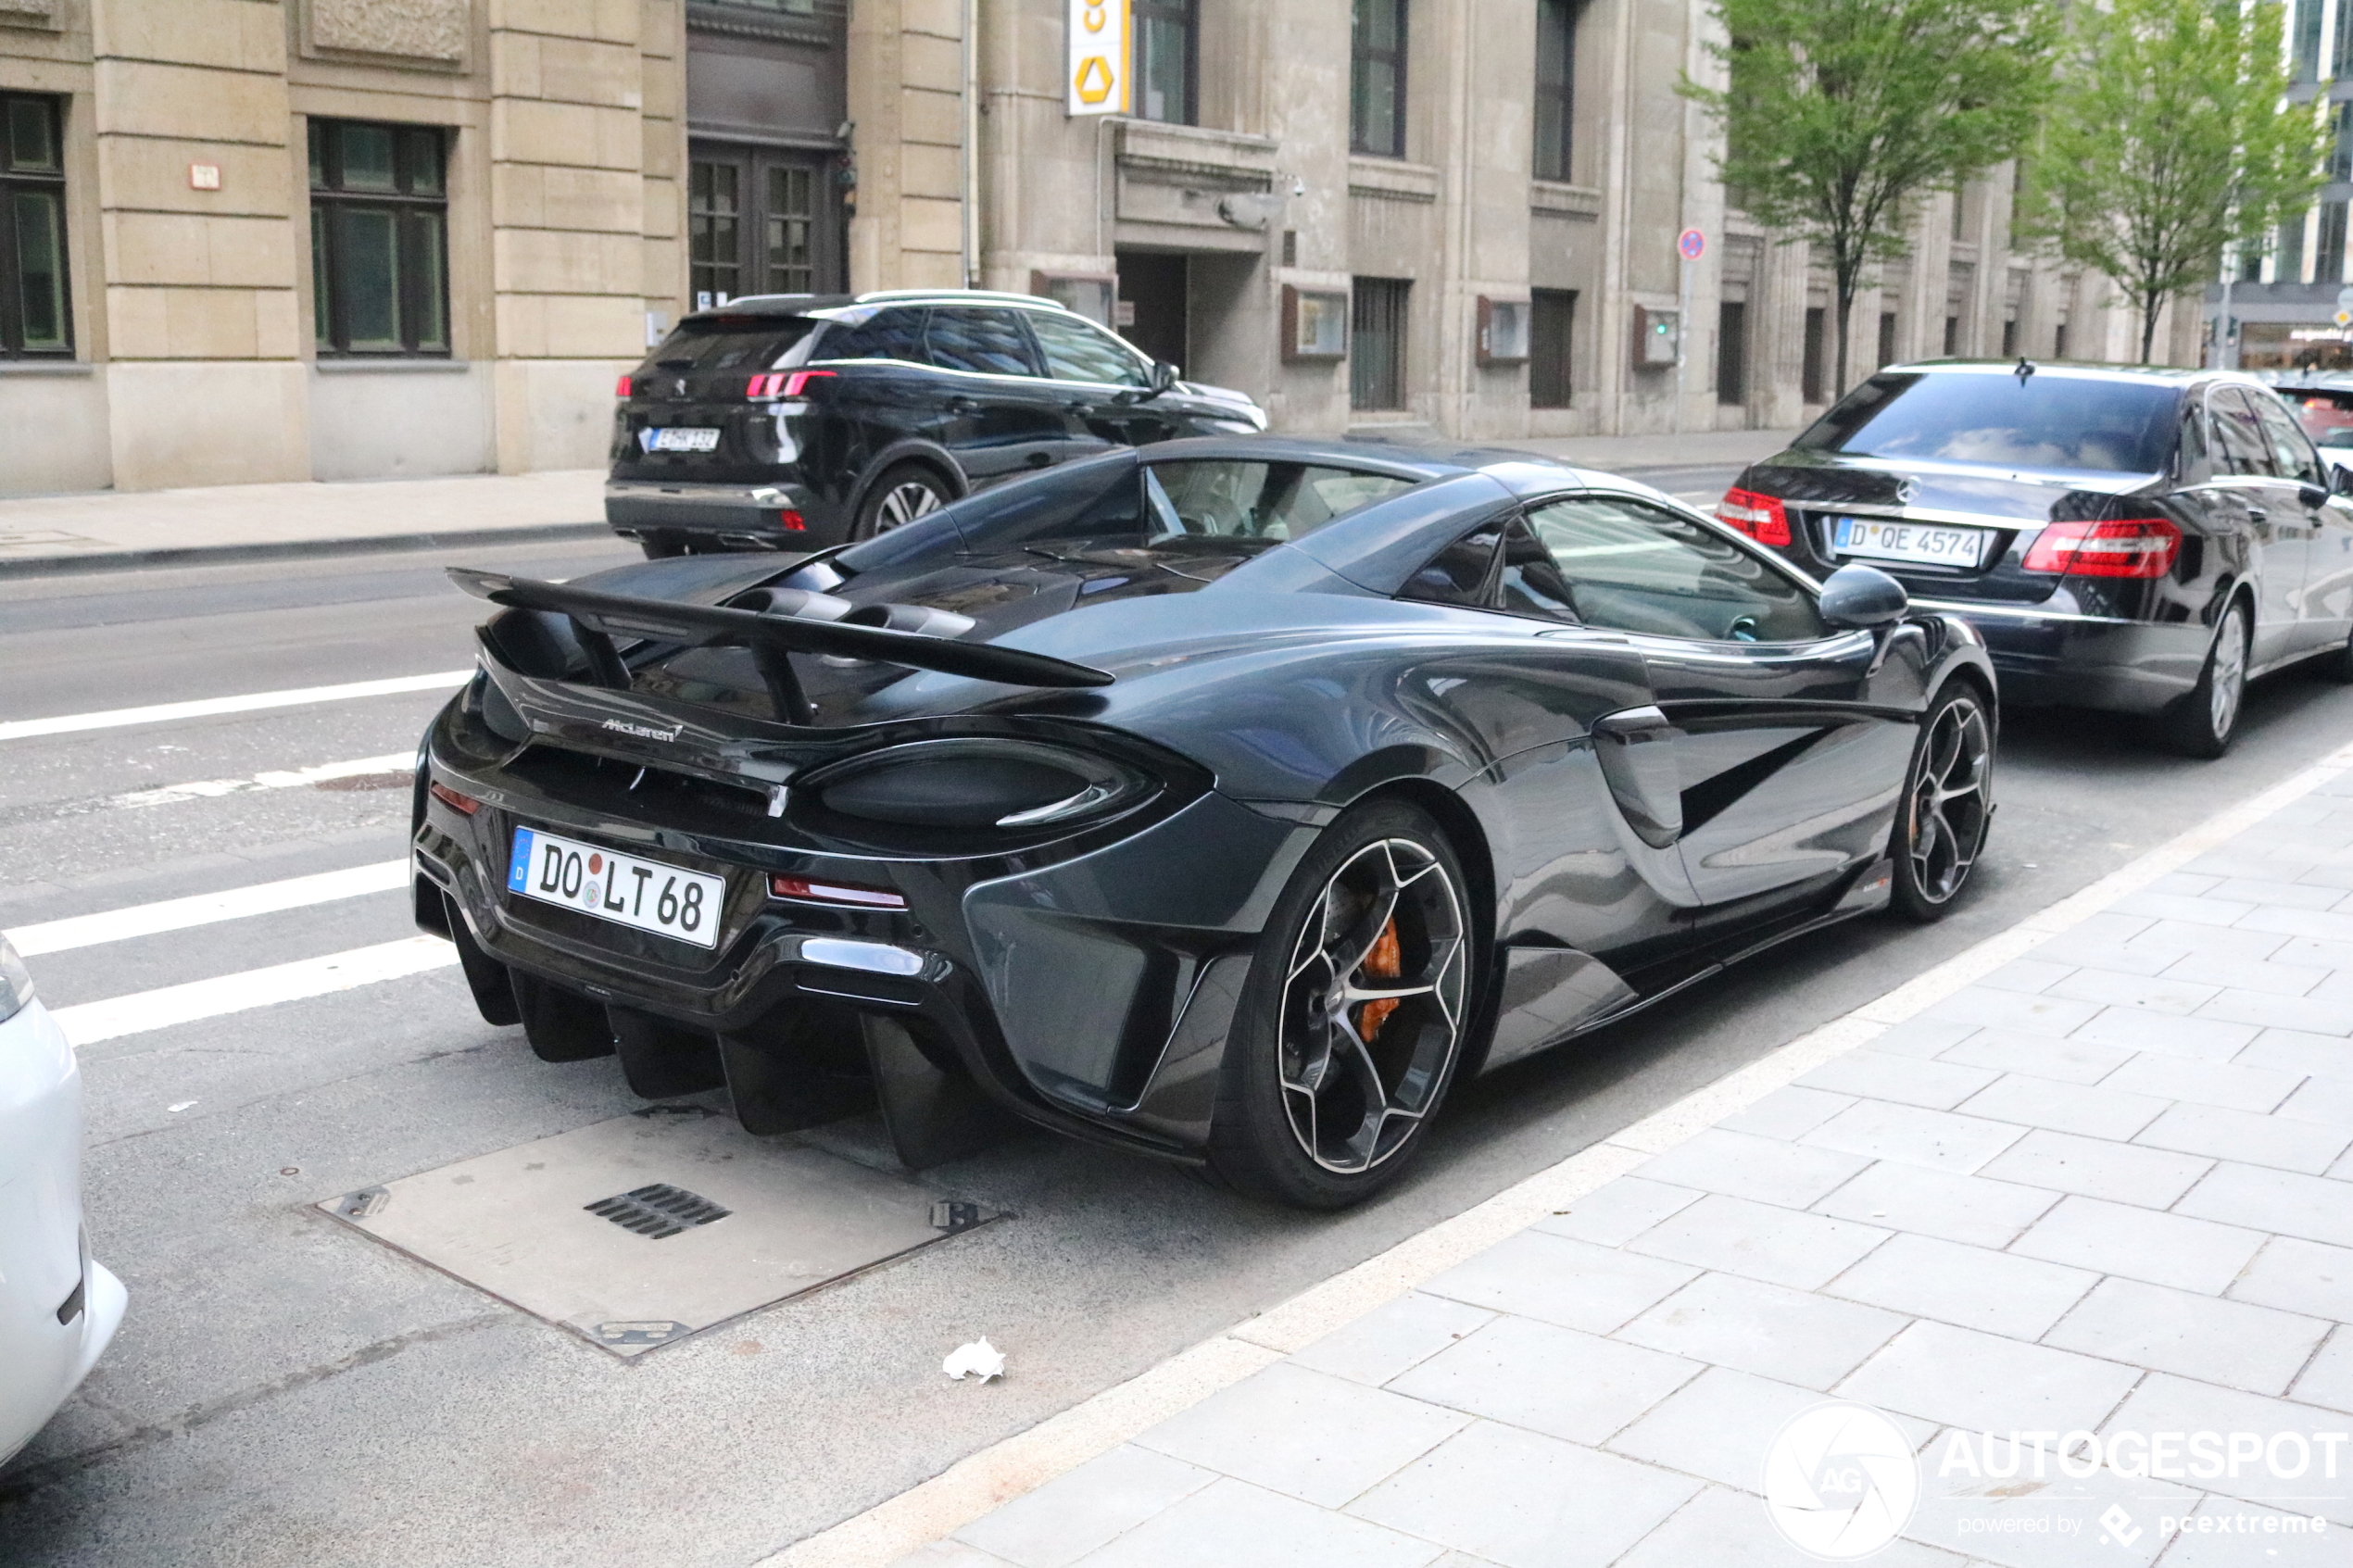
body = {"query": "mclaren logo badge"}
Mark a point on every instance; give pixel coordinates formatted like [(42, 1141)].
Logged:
[(643, 732)]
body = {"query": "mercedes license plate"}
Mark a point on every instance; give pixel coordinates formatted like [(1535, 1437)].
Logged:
[(1884, 539), (668, 901), (682, 439)]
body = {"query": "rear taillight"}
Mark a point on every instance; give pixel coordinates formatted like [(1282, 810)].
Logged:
[(620, 388), (792, 521), (784, 384), (464, 804), (2131, 547), (834, 892), (1762, 517)]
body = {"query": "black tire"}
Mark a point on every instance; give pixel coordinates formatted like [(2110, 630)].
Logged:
[(2336, 665), (1947, 805), (900, 495), (1297, 1072), (2202, 723)]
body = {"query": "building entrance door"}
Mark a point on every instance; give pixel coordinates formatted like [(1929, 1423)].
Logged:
[(761, 220), (1153, 286)]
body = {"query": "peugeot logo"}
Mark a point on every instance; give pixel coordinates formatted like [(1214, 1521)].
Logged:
[(1908, 491), (678, 389)]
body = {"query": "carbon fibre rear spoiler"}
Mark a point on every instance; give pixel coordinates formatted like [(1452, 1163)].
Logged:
[(602, 618)]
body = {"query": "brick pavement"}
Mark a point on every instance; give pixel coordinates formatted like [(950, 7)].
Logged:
[(2104, 1188)]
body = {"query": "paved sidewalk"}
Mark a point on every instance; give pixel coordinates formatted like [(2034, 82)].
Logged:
[(2104, 1188), (51, 533)]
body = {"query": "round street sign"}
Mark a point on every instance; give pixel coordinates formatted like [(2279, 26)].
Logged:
[(2345, 318), (1692, 244), (2344, 297)]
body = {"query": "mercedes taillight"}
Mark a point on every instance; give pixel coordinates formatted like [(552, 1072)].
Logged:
[(2140, 548)]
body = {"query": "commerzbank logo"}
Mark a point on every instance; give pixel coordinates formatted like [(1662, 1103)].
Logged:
[(1841, 1481)]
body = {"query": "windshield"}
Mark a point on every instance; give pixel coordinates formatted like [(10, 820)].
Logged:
[(1116, 498), (713, 344), (2042, 422), (2327, 417)]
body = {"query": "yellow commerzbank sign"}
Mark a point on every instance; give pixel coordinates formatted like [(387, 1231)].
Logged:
[(1098, 76)]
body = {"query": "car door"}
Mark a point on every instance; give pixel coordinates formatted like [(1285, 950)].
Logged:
[(2246, 469), (999, 416), (1788, 742), (2302, 500), (1102, 383)]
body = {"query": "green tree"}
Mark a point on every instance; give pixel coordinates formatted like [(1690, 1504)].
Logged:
[(2172, 139), (1839, 114)]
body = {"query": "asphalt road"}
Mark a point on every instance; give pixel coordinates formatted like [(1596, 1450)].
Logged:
[(287, 1392)]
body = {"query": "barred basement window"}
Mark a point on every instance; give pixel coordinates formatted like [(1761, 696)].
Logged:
[(35, 316), (379, 239)]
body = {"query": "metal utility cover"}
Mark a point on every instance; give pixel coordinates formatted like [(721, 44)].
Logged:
[(517, 1223)]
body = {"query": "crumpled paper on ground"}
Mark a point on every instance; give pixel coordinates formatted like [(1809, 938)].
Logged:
[(980, 1359)]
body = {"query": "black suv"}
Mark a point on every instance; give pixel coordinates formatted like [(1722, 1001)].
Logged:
[(791, 421)]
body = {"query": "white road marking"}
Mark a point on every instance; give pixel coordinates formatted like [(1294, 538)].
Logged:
[(206, 789), (206, 707), (143, 1011), (208, 908)]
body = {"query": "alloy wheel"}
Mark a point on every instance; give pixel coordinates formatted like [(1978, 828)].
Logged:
[(1949, 804), (904, 503), (2226, 687), (1372, 1007)]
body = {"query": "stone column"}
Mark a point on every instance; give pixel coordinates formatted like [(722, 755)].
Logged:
[(203, 322), (568, 200), (906, 99)]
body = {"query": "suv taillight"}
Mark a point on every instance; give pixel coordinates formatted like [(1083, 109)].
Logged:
[(2132, 548), (620, 388), (1762, 517), (784, 384)]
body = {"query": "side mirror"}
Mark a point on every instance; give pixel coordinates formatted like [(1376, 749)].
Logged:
[(2340, 479), (1863, 599), (1164, 377)]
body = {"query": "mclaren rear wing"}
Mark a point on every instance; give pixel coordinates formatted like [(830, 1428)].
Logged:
[(602, 620)]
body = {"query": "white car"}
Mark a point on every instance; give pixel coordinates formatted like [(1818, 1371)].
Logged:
[(57, 1308)]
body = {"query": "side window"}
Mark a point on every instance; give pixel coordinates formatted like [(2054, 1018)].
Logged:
[(1077, 351), (2192, 462), (2238, 434), (989, 342), (896, 333), (1461, 574), (2291, 448), (1531, 582), (1635, 568), (34, 318)]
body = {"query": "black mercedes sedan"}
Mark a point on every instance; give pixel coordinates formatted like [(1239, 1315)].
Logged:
[(793, 422), (1224, 801), (2137, 539)]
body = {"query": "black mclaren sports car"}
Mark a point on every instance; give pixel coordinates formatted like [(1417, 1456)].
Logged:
[(1224, 801)]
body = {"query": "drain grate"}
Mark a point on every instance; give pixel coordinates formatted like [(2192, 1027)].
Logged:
[(658, 1211)]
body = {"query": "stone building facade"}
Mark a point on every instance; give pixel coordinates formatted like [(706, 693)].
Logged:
[(253, 240)]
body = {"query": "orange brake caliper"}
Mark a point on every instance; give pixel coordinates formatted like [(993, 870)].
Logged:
[(1385, 962)]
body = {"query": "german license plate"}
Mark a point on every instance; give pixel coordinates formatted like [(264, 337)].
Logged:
[(1884, 539), (682, 439), (647, 895)]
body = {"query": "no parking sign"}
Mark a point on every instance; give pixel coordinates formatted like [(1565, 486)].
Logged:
[(1691, 244)]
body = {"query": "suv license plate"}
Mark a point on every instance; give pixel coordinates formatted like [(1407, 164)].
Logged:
[(682, 439), (667, 900), (1880, 540)]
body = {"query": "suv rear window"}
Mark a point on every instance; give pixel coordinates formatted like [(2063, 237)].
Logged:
[(2043, 422), (728, 343)]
